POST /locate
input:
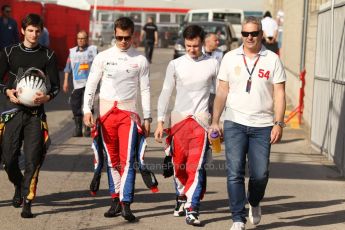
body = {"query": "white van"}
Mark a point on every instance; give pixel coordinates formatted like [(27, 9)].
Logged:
[(234, 16)]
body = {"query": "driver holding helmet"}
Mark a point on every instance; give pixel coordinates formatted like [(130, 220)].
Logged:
[(26, 123)]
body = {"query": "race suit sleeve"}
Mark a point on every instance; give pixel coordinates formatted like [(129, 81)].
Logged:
[(145, 89), (95, 76), (168, 86), (3, 69), (53, 74)]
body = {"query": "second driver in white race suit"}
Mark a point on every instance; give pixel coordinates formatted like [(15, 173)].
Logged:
[(193, 75)]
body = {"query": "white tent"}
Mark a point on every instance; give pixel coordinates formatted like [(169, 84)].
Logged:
[(79, 4)]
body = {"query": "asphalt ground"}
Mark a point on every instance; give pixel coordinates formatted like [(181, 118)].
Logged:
[(305, 190)]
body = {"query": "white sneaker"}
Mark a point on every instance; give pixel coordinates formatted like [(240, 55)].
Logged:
[(238, 226), (254, 214)]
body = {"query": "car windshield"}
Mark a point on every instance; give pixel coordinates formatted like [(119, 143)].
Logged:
[(219, 30), (234, 18)]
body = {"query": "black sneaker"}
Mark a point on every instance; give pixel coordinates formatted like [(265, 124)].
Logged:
[(192, 216), (87, 131), (126, 212), (179, 207), (114, 209), (17, 197), (26, 212), (94, 185)]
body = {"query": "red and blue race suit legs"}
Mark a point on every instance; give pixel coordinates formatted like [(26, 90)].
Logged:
[(190, 146), (120, 135)]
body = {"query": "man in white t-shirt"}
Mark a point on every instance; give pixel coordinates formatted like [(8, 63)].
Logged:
[(251, 78), (270, 32), (192, 74)]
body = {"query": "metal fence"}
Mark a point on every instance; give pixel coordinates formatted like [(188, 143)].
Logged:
[(328, 114)]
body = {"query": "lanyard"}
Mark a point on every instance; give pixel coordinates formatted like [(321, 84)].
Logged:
[(249, 81)]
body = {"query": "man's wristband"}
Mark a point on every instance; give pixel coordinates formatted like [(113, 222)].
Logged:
[(280, 123)]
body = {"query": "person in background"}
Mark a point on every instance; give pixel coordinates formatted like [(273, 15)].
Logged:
[(270, 32), (44, 38), (8, 28), (26, 124), (210, 49), (280, 22), (150, 32), (193, 75), (78, 64), (252, 84)]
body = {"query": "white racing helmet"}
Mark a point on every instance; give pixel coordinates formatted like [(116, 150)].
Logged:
[(32, 82)]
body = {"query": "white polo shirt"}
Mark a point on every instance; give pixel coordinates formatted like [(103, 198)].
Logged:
[(253, 109)]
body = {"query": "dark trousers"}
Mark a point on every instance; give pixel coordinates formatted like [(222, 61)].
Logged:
[(28, 128), (77, 97), (149, 45), (273, 47)]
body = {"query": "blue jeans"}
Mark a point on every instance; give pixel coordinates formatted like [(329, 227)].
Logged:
[(241, 140)]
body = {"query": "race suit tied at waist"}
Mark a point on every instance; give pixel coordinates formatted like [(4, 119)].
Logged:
[(8, 115)]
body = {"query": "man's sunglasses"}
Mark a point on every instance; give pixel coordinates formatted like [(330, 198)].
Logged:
[(253, 33), (121, 38)]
